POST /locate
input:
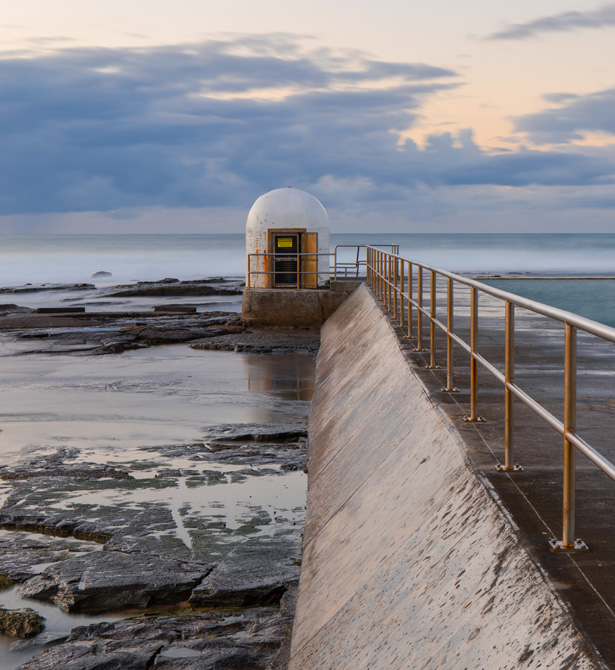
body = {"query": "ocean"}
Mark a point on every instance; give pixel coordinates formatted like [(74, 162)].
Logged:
[(75, 258)]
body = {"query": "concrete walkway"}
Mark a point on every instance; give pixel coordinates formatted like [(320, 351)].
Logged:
[(586, 581)]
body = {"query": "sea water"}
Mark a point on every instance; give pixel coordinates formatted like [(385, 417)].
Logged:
[(75, 258)]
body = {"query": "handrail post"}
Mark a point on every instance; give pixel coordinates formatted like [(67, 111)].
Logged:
[(375, 277), (385, 286), (409, 299), (509, 378), (473, 362), (570, 411), (450, 362), (419, 313), (391, 285), (388, 264), (400, 273), (372, 255), (568, 541), (401, 293), (432, 326), (384, 278), (395, 273)]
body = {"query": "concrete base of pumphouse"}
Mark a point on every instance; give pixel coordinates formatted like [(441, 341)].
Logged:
[(291, 307), (410, 560)]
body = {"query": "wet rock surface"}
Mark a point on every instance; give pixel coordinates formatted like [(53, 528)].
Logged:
[(109, 581), (33, 288), (264, 341), (146, 562), (11, 308), (264, 571), (25, 555), (252, 638), (56, 465), (174, 287), (158, 530), (112, 335), (21, 623), (281, 444), (104, 334)]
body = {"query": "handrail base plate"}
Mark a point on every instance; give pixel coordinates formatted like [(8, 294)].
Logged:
[(514, 468), (558, 546)]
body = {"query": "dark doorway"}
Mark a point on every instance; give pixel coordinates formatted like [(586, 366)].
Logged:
[(286, 246)]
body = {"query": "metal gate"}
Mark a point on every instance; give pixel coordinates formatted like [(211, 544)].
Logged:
[(286, 248)]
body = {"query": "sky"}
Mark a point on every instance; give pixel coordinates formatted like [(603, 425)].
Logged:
[(153, 116)]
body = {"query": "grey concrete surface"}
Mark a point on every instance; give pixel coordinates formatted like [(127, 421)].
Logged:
[(347, 284), (289, 307), (412, 559)]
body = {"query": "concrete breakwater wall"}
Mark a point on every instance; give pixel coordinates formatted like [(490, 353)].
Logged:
[(409, 560)]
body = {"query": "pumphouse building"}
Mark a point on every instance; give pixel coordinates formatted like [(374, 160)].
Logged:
[(288, 276)]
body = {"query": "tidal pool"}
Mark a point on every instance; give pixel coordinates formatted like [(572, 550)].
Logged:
[(147, 397), (119, 410)]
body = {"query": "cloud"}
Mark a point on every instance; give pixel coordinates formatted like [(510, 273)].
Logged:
[(574, 116), (602, 17), (194, 125), (211, 126)]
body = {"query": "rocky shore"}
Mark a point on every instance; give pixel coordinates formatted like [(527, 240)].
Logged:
[(63, 329), (189, 586)]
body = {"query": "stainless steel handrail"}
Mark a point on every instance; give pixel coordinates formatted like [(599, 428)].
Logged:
[(358, 262), (338, 265), (388, 275), (301, 272), (588, 325)]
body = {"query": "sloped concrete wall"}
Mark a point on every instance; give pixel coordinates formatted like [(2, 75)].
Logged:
[(409, 562)]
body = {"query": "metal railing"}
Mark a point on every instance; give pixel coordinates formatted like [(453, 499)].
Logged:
[(342, 269), (300, 271), (391, 278)]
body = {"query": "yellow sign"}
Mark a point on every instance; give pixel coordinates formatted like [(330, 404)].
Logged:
[(284, 242)]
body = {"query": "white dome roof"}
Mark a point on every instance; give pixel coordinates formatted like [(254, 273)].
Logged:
[(287, 208)]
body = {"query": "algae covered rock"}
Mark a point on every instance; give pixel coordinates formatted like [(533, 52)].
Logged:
[(21, 623)]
